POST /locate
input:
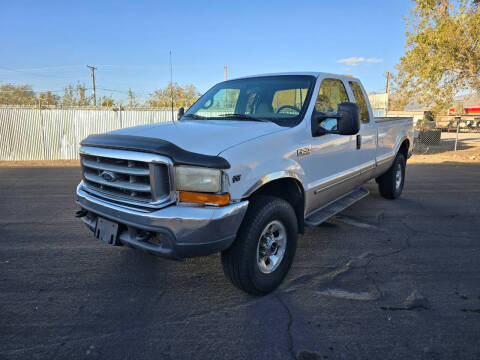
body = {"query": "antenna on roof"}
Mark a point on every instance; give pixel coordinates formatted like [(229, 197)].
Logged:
[(171, 80)]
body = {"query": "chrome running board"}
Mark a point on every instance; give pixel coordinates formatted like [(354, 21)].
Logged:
[(334, 207)]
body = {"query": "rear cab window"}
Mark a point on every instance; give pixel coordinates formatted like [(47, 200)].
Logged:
[(361, 101)]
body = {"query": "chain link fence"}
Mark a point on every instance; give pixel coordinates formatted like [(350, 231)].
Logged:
[(451, 137)]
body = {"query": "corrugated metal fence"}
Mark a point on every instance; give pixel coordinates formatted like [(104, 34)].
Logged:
[(54, 134)]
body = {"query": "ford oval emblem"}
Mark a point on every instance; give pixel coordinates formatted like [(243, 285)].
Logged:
[(108, 176)]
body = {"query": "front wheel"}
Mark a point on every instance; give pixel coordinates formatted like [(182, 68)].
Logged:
[(265, 246), (391, 183)]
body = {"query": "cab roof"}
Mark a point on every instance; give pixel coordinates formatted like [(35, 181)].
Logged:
[(310, 73)]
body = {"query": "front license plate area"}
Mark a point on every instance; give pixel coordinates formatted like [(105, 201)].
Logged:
[(106, 231)]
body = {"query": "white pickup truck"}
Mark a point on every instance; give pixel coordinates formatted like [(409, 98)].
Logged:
[(242, 172)]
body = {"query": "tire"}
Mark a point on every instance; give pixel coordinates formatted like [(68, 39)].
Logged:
[(240, 261), (388, 185)]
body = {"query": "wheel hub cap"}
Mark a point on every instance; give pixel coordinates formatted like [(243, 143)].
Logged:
[(398, 176), (271, 246)]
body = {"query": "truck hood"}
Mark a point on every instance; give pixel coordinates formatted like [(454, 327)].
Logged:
[(209, 137)]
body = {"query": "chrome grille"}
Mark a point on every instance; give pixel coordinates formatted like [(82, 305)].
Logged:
[(126, 176)]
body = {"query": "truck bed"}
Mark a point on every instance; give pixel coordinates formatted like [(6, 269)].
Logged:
[(390, 131), (387, 119)]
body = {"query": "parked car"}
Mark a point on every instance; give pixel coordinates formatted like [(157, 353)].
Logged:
[(252, 163)]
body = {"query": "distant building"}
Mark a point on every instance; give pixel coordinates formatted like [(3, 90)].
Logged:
[(470, 104), (379, 103)]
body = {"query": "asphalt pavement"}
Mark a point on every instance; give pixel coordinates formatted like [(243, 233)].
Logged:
[(383, 280)]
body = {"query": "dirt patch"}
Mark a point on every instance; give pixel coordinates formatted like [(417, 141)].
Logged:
[(462, 156), (30, 163)]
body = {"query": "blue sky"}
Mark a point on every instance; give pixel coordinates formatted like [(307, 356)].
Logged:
[(48, 43)]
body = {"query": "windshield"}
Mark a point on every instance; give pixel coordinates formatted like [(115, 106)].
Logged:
[(282, 99)]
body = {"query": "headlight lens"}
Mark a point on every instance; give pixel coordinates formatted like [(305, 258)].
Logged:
[(191, 178)]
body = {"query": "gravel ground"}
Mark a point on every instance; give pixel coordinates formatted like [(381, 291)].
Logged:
[(383, 280)]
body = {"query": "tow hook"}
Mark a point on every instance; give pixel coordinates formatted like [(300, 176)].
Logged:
[(81, 213)]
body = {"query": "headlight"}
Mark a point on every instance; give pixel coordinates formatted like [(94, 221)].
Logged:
[(190, 178)]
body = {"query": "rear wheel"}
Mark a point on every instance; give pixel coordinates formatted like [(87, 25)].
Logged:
[(391, 183), (263, 252)]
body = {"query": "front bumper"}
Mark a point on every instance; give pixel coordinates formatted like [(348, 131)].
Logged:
[(177, 231)]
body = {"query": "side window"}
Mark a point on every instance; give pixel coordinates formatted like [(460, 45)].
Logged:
[(361, 102), (331, 93)]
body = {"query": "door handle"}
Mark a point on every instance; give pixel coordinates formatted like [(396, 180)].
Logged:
[(359, 141)]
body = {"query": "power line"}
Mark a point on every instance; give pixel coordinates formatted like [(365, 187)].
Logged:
[(34, 91), (124, 91), (30, 73), (46, 68)]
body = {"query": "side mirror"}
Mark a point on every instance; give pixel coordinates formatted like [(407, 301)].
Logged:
[(348, 120), (180, 113)]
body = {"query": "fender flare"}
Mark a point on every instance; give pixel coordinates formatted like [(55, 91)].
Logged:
[(284, 174), (400, 142)]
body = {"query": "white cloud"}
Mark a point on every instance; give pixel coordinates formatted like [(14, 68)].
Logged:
[(351, 61), (354, 61)]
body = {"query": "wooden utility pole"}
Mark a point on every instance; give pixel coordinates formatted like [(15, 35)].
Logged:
[(171, 82), (93, 68), (387, 75), (225, 73)]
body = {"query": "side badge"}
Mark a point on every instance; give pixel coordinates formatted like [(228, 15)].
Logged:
[(236, 178), (303, 151)]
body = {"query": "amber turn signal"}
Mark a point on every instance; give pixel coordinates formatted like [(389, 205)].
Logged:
[(203, 198)]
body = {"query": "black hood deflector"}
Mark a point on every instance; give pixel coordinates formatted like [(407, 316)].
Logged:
[(178, 155)]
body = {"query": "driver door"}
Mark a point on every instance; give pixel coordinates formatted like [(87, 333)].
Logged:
[(331, 155)]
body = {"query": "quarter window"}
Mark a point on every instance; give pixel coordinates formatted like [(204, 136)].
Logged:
[(331, 93), (361, 102)]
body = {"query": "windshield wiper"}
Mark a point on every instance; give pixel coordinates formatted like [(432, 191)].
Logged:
[(194, 116), (243, 117)]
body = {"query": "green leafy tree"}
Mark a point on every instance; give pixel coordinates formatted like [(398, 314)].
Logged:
[(106, 101), (68, 98), (190, 95), (75, 95), (182, 96), (81, 94), (11, 94), (397, 101), (48, 98), (442, 55), (132, 101)]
